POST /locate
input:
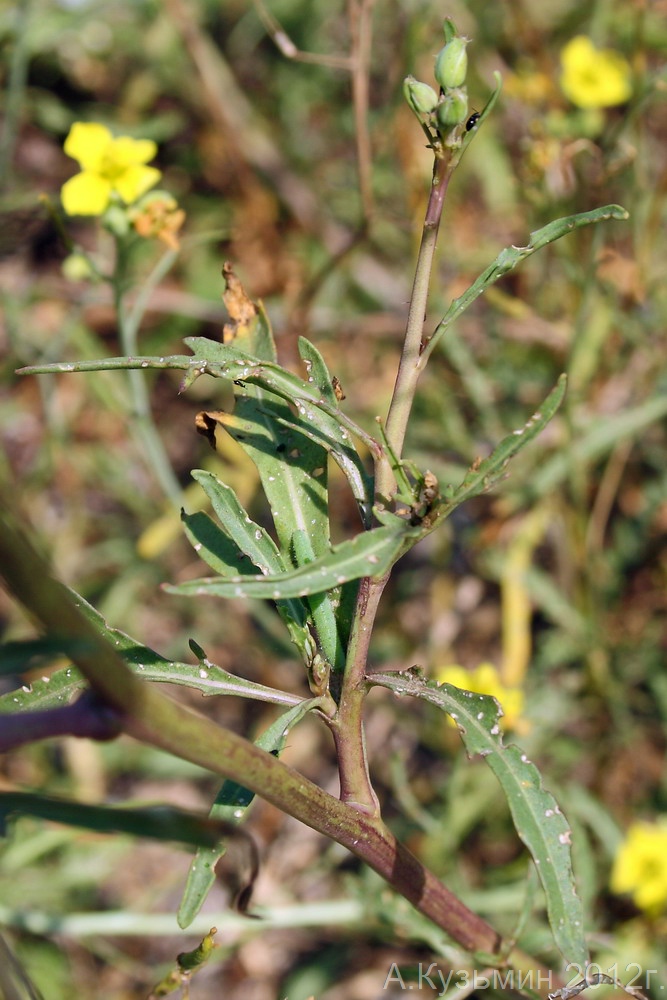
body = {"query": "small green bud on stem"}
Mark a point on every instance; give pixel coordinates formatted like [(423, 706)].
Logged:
[(421, 98), (451, 63), (453, 108)]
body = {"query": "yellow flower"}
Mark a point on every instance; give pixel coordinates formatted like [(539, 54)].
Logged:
[(594, 78), (640, 867), (108, 166), (486, 680)]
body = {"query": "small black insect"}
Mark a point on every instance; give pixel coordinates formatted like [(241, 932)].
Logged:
[(472, 121)]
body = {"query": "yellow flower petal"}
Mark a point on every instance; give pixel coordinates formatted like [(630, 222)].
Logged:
[(85, 194), (135, 181), (594, 78), (640, 866), (126, 152), (88, 143)]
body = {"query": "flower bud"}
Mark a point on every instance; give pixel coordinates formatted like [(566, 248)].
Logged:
[(451, 63), (421, 98), (77, 267), (453, 108)]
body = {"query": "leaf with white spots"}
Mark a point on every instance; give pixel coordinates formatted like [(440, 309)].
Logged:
[(251, 540), (59, 688), (240, 544), (370, 553), (482, 475), (537, 817)]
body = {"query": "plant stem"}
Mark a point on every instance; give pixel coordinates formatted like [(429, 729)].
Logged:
[(356, 788), (150, 716), (411, 364), (128, 328), (355, 784)]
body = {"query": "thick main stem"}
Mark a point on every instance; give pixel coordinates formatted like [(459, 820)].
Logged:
[(148, 715), (356, 788)]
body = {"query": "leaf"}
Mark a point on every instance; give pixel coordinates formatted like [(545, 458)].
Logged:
[(480, 477), (28, 654), (250, 539), (370, 553), (537, 818), (510, 257), (206, 677), (230, 805), (223, 555), (156, 822)]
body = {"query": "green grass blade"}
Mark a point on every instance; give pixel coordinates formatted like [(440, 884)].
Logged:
[(537, 817)]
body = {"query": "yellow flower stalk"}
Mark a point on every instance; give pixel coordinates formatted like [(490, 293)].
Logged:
[(108, 166), (594, 78), (485, 679), (640, 867)]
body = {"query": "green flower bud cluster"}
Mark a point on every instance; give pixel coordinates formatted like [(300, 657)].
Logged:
[(442, 113)]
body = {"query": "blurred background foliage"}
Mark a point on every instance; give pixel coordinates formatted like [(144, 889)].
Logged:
[(558, 579)]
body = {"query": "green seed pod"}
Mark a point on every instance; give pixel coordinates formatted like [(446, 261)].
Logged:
[(453, 108), (451, 63), (421, 98)]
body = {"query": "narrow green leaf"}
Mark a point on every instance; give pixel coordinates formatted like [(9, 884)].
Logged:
[(214, 546), (157, 822), (510, 257), (251, 539), (223, 556), (322, 608), (292, 467), (537, 817), (230, 805), (234, 365), (480, 477), (368, 554), (317, 371), (51, 691)]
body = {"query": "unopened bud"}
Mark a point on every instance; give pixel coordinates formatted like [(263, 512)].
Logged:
[(77, 267), (453, 108), (421, 98), (451, 63)]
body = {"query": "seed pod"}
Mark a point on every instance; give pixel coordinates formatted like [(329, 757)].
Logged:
[(421, 98), (451, 63), (453, 108)]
